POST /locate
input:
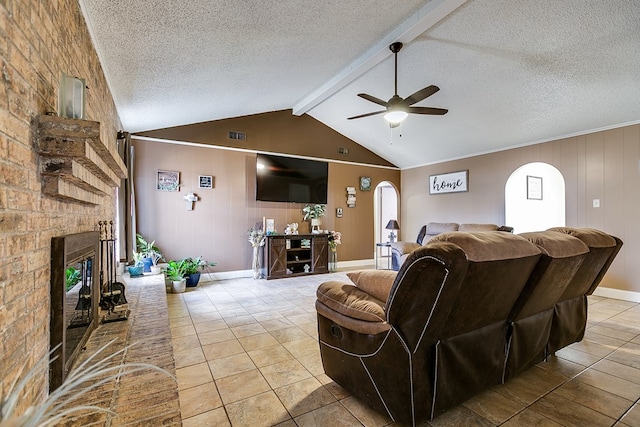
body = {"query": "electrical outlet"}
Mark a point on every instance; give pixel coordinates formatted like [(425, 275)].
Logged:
[(596, 203)]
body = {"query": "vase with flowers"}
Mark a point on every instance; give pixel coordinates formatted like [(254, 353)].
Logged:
[(334, 238), (257, 240)]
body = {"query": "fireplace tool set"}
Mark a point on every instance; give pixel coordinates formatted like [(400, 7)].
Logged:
[(112, 299), (82, 314)]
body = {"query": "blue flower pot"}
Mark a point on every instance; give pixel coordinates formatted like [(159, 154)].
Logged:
[(147, 263), (192, 280), (135, 270)]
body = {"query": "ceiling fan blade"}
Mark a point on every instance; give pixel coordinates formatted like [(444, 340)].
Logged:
[(366, 115), (428, 110), (373, 99), (420, 95)]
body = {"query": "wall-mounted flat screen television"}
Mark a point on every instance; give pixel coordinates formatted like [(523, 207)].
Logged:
[(289, 179)]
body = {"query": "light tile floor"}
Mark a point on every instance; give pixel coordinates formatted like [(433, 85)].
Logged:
[(246, 354)]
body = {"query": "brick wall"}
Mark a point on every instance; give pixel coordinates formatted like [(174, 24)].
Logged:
[(39, 40)]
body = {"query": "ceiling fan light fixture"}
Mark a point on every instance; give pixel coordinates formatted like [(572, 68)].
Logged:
[(396, 116), (397, 108)]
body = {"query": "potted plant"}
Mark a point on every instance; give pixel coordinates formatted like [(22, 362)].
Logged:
[(314, 213), (136, 268), (193, 267), (176, 271), (150, 252)]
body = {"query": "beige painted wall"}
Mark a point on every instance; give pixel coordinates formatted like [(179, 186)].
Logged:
[(602, 165), (217, 227)]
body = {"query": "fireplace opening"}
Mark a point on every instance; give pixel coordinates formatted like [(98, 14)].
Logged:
[(75, 296)]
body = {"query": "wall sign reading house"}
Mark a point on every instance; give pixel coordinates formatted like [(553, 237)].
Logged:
[(452, 182)]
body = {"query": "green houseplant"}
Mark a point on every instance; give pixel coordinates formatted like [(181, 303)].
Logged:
[(72, 276), (314, 213), (176, 271), (193, 269), (150, 252)]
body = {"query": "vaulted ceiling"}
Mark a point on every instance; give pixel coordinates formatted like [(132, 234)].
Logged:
[(510, 72)]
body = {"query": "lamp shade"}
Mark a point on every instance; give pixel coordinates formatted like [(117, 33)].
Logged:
[(392, 225)]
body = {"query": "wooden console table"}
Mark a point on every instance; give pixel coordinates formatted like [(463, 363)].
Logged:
[(288, 255)]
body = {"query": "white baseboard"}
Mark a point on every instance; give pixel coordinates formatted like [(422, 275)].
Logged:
[(617, 294), (224, 275), (237, 274), (364, 263)]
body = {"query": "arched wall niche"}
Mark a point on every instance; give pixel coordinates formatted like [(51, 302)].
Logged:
[(535, 198)]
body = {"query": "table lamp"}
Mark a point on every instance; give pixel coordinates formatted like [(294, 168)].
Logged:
[(392, 225)]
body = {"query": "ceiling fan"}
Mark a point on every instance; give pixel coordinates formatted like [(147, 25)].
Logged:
[(397, 109)]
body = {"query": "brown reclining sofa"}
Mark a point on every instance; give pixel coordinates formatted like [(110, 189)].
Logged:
[(400, 250), (465, 312)]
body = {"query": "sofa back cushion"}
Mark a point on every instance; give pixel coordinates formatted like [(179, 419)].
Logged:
[(478, 227), (602, 250), (433, 229), (562, 255), (499, 266)]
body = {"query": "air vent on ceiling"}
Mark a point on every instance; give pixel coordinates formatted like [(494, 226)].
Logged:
[(343, 150), (239, 136)]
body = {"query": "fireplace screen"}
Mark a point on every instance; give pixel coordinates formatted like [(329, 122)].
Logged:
[(74, 299)]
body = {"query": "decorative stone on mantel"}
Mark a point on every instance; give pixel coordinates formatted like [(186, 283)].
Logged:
[(76, 165)]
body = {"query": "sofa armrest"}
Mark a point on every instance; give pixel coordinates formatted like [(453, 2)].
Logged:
[(404, 247), (398, 250)]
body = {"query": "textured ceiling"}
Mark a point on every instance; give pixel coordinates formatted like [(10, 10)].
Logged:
[(511, 72)]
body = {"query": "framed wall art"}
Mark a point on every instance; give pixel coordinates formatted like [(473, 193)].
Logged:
[(451, 182), (168, 180), (365, 183), (534, 187), (205, 181)]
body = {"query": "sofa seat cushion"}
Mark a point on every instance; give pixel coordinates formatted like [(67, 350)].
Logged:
[(351, 301), (376, 283)]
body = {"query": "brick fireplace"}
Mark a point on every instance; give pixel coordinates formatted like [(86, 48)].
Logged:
[(29, 216)]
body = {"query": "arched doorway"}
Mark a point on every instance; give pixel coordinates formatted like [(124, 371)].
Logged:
[(534, 198), (385, 209)]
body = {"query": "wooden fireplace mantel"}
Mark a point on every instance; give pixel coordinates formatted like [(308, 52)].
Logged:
[(76, 165)]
